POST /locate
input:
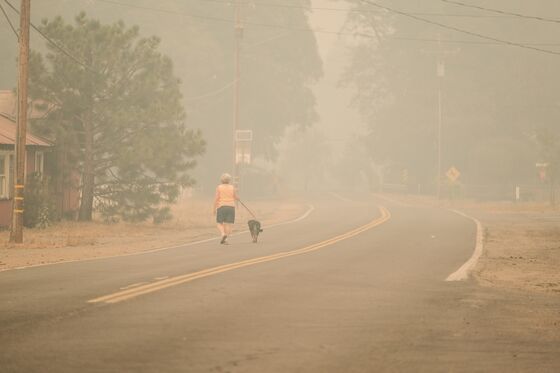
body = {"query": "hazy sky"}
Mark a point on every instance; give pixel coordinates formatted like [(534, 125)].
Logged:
[(327, 20), (338, 120)]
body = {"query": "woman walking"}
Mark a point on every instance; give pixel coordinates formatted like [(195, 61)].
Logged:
[(224, 206)]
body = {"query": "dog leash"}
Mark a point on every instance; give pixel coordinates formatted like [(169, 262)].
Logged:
[(250, 212)]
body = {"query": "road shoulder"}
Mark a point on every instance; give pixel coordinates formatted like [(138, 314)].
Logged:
[(73, 241), (521, 249)]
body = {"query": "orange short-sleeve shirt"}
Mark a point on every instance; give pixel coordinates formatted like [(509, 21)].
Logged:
[(225, 195)]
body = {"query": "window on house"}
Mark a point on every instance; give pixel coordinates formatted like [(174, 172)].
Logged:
[(39, 162), (4, 176)]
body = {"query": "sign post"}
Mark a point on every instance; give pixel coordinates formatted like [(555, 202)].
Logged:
[(243, 141)]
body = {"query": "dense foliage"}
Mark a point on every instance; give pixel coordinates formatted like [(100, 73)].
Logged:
[(40, 208), (118, 115), (279, 63), (497, 100)]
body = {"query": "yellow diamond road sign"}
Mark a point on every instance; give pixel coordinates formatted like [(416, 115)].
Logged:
[(453, 174)]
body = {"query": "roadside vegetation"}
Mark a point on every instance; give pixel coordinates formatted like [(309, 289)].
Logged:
[(499, 112), (133, 110), (117, 118)]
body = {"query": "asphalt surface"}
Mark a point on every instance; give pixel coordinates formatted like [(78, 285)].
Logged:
[(372, 301)]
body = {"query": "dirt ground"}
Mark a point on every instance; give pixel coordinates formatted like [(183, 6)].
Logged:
[(521, 248), (193, 220), (521, 243)]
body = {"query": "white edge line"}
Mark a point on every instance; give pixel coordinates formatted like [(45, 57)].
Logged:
[(338, 196), (464, 271), (310, 209)]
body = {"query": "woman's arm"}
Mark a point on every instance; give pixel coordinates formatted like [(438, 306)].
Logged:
[(216, 199), (235, 196)]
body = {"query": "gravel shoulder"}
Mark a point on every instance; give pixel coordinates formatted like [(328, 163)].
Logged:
[(193, 220), (521, 243), (513, 309), (522, 248)]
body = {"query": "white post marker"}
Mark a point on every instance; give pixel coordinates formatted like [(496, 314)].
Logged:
[(463, 273)]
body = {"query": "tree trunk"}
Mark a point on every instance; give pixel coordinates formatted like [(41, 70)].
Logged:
[(88, 177)]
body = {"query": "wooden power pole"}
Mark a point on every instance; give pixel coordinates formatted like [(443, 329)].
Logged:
[(23, 63), (440, 65), (238, 28)]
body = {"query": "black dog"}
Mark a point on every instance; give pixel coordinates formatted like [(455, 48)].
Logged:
[(254, 228)]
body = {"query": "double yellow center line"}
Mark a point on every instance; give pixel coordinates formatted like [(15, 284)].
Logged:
[(177, 280)]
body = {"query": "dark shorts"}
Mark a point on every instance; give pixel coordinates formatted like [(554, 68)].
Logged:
[(225, 214)]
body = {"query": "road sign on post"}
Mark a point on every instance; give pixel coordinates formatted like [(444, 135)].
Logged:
[(243, 140), (404, 176), (453, 174), (542, 167)]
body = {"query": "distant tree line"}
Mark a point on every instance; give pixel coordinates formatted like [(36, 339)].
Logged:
[(500, 102)]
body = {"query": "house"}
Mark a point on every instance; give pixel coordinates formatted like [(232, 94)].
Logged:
[(39, 154)]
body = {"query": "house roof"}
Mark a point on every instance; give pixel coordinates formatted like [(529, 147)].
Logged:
[(8, 124), (8, 133)]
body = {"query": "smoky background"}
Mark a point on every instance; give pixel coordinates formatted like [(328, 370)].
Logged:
[(356, 95)]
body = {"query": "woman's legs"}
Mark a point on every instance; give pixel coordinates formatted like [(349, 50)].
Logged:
[(225, 218), (222, 229), (227, 229)]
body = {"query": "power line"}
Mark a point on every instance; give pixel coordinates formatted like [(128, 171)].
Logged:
[(453, 28), (213, 93), (224, 20), (218, 19), (9, 22), (467, 42), (53, 43), (160, 10), (319, 31), (266, 41), (502, 12), (347, 10)]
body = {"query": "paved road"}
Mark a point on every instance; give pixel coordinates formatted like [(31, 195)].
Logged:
[(371, 300)]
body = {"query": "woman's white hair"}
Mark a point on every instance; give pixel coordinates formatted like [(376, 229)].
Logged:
[(225, 178)]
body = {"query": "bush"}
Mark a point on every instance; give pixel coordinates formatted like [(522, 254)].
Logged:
[(39, 206)]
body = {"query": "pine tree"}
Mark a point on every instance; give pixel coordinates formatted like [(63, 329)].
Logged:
[(118, 113)]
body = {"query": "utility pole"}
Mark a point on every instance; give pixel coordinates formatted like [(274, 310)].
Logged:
[(440, 72), (238, 29), (16, 234), (441, 75)]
